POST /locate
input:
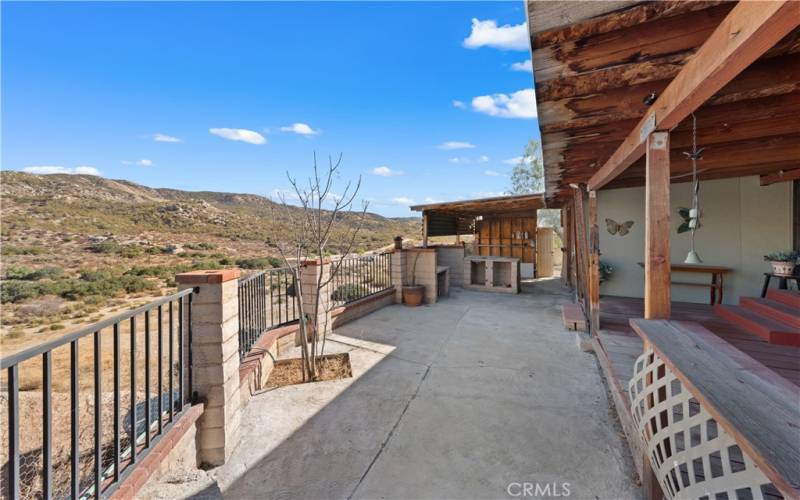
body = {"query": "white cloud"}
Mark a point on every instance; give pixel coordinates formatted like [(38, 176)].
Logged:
[(515, 160), (520, 104), (53, 169), (285, 195), (402, 200), (300, 128), (432, 200), (488, 34), (238, 134), (144, 162), (385, 171), (526, 66), (86, 170), (488, 194), (493, 173), (451, 145), (463, 160), (459, 104), (165, 138)]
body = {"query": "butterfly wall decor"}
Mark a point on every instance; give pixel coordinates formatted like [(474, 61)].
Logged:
[(615, 227)]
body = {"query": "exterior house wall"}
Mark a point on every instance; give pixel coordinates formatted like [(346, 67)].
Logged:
[(741, 222)]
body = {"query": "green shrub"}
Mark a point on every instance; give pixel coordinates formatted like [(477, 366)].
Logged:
[(57, 326), (348, 292), (18, 273), (104, 247), (50, 273), (18, 290), (13, 250), (259, 263), (200, 246), (25, 273), (131, 251)]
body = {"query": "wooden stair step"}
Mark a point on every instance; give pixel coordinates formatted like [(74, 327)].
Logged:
[(773, 309), (771, 330), (787, 297), (573, 317)]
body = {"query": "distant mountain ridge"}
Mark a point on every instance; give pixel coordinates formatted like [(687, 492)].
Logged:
[(87, 204)]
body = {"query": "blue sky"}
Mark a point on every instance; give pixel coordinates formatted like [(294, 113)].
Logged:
[(426, 101)]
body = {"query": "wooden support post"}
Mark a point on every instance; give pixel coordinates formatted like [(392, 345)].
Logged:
[(581, 247), (566, 268), (424, 229), (657, 294), (594, 266)]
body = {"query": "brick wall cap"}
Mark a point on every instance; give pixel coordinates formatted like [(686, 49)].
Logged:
[(213, 276), (316, 262)]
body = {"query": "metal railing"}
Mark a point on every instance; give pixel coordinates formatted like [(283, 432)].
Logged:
[(360, 277), (267, 300), (89, 456)]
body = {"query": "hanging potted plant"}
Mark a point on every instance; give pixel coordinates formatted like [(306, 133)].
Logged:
[(413, 293), (783, 263)]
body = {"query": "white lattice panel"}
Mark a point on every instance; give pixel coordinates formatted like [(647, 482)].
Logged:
[(691, 455)]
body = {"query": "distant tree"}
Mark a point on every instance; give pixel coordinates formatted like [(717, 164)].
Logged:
[(311, 233), (527, 177)]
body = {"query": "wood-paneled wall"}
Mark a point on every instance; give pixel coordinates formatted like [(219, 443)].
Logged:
[(498, 236)]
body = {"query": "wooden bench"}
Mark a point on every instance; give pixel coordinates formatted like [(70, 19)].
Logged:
[(717, 278), (753, 404)]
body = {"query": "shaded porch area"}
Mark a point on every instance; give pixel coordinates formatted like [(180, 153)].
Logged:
[(623, 345)]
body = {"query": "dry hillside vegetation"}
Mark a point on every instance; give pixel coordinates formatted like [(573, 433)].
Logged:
[(76, 248)]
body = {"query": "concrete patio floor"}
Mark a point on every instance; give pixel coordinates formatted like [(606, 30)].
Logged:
[(455, 400)]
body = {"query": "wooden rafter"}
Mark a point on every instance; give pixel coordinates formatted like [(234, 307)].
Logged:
[(780, 176), (749, 30)]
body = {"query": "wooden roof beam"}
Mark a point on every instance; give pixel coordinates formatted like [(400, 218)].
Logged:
[(750, 30), (781, 176)]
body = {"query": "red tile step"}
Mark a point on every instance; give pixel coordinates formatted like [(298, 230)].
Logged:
[(788, 297), (773, 331), (773, 309)]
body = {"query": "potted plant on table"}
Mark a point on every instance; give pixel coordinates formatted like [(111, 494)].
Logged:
[(783, 263), (413, 293)]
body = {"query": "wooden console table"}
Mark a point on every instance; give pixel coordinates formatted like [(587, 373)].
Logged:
[(717, 277)]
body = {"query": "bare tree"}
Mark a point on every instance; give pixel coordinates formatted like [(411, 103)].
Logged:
[(315, 221)]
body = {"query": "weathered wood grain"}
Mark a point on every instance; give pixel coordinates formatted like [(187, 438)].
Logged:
[(761, 412), (744, 35), (657, 294)]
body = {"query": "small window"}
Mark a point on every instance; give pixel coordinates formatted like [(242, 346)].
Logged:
[(677, 413), (711, 429), (715, 463), (694, 436), (697, 468), (736, 458)]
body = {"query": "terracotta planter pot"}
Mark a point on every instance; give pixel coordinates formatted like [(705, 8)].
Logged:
[(782, 268), (412, 295)]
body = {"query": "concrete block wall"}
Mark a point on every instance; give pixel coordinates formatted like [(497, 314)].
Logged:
[(215, 360), (425, 259), (399, 274), (452, 256)]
